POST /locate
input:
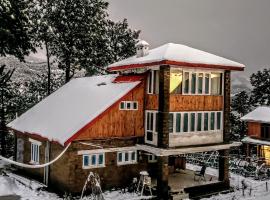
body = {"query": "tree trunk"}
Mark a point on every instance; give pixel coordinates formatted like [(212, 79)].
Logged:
[(3, 128), (67, 71), (49, 69)]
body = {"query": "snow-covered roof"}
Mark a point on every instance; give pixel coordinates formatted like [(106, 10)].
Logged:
[(177, 53), (260, 114), (62, 114), (255, 141)]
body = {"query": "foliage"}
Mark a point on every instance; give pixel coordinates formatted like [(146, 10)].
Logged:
[(241, 103), (15, 31)]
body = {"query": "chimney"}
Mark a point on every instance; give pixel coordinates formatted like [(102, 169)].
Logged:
[(142, 48)]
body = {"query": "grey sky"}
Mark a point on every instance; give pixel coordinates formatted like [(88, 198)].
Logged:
[(235, 29)]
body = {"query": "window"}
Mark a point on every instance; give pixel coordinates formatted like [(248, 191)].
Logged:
[(152, 158), (216, 83), (205, 121), (178, 122), (126, 157), (153, 82), (218, 120), (192, 122), (93, 160), (185, 128), (34, 151), (200, 83), (265, 131), (199, 121), (212, 121), (176, 78), (151, 125), (206, 81), (171, 122), (128, 105), (186, 82), (193, 83)]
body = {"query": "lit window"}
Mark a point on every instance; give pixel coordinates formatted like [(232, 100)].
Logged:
[(216, 83), (93, 160), (176, 78)]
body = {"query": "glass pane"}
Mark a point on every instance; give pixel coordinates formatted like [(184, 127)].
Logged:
[(128, 105), (186, 78), (218, 120), (212, 121), (133, 156), (193, 83), (156, 122), (126, 156), (206, 121), (135, 105), (151, 121), (192, 122), (86, 160), (199, 122), (216, 83), (100, 159), (94, 160), (185, 128), (176, 78), (207, 79), (200, 83), (122, 106), (171, 122), (178, 122), (156, 81), (120, 157), (149, 136)]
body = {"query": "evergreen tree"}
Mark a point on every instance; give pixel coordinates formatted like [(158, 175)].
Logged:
[(261, 87), (15, 37), (241, 103)]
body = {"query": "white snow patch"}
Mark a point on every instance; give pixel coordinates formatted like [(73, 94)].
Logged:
[(260, 114)]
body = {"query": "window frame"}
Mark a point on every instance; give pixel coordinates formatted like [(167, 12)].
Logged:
[(153, 85), (154, 125), (35, 151), (129, 160), (131, 105), (96, 165)]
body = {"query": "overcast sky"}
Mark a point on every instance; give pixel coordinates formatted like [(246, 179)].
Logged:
[(235, 29)]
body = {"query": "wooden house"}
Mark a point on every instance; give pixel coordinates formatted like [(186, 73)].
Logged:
[(154, 108), (257, 141)]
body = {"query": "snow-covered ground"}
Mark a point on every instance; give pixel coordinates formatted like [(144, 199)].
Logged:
[(29, 190)]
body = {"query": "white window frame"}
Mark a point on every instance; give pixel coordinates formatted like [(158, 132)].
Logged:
[(35, 151), (129, 161), (152, 74), (90, 165), (154, 131), (131, 105), (196, 122), (152, 158)]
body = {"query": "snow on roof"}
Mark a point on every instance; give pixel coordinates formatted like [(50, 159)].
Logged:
[(62, 114), (255, 141), (177, 53), (260, 114)]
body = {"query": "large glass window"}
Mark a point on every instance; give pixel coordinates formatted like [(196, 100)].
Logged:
[(212, 124), (193, 83), (206, 81), (153, 82), (199, 121), (205, 121), (200, 83), (171, 122), (178, 122), (150, 126), (176, 79), (218, 120), (186, 79), (185, 128), (216, 83)]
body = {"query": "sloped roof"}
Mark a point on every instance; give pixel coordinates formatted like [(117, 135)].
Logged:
[(176, 54), (62, 114), (260, 114)]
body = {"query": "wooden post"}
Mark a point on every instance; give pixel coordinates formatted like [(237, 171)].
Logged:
[(162, 178)]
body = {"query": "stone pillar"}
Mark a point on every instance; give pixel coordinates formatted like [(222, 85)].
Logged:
[(163, 131), (162, 178), (164, 106), (224, 154)]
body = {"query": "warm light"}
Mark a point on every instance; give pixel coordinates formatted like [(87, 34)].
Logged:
[(176, 82), (266, 154)]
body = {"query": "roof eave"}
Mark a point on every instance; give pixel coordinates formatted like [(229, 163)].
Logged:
[(175, 63)]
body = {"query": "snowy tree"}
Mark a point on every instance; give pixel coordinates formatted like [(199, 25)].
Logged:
[(15, 37), (261, 87), (241, 103)]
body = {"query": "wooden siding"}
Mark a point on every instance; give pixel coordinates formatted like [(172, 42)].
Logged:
[(254, 129), (119, 123), (187, 102)]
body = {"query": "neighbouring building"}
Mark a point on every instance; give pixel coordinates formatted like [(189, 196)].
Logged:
[(153, 109), (257, 141)]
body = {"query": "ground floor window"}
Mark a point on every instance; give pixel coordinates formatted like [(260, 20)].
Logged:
[(34, 151), (94, 160), (126, 157), (152, 158)]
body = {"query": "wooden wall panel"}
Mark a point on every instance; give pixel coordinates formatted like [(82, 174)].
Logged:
[(119, 123), (254, 129), (195, 103), (151, 102)]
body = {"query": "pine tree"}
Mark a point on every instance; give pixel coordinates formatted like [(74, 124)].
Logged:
[(15, 37), (241, 103), (261, 87)]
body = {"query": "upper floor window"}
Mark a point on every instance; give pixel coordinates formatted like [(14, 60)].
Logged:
[(176, 80), (34, 151), (265, 131), (128, 105), (216, 83), (153, 82), (151, 125), (94, 160)]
